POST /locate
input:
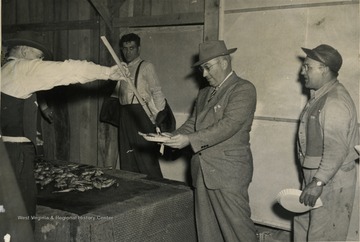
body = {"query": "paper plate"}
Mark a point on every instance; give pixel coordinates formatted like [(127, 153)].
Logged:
[(155, 137), (289, 199), (357, 148)]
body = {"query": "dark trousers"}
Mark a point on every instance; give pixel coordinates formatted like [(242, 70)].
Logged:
[(22, 156), (137, 154), (223, 214)]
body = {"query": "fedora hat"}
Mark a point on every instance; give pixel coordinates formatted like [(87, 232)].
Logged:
[(326, 55), (25, 42), (212, 49)]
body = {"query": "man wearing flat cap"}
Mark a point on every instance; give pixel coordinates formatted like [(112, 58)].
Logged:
[(218, 134), (327, 135), (26, 72)]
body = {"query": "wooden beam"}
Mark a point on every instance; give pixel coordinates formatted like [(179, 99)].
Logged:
[(211, 23), (160, 20), (290, 6), (66, 25), (103, 11), (276, 119)]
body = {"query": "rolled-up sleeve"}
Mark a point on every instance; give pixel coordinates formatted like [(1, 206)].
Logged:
[(36, 75), (154, 85)]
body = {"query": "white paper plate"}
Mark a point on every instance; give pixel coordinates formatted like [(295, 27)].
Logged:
[(289, 199), (357, 148), (155, 137)]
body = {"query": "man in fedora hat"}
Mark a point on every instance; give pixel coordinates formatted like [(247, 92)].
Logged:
[(218, 133), (25, 73), (328, 133)]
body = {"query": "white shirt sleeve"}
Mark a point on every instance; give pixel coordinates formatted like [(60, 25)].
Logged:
[(21, 78)]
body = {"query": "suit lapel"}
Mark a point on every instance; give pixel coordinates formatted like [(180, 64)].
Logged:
[(219, 94), (204, 106)]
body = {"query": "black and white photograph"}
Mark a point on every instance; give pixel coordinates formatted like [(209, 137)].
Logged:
[(179, 120)]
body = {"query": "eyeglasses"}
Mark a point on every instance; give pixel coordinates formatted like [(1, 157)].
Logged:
[(307, 67), (207, 67)]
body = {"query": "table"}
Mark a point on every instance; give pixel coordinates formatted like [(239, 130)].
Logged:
[(138, 209)]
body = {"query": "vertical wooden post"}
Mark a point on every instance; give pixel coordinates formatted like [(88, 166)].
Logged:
[(107, 134), (211, 20)]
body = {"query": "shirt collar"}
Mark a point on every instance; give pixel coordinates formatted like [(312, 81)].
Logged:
[(227, 77), (15, 58), (324, 89), (135, 61)]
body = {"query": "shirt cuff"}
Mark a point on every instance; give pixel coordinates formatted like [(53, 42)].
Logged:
[(107, 72)]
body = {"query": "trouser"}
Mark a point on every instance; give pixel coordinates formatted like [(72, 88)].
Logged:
[(223, 214), (331, 221), (22, 156), (137, 154)]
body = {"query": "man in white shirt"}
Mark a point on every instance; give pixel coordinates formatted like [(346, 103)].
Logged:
[(24, 74), (136, 154)]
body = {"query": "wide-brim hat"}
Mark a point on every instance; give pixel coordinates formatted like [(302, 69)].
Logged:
[(327, 55), (212, 49), (10, 43)]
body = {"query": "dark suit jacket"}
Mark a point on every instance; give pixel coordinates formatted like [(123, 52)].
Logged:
[(219, 134)]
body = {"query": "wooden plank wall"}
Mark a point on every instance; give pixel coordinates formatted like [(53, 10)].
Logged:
[(132, 15), (155, 13), (71, 30)]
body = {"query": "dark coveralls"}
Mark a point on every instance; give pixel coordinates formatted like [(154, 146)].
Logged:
[(18, 130), (137, 154)]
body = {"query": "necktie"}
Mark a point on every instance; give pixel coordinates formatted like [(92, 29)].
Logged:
[(212, 94)]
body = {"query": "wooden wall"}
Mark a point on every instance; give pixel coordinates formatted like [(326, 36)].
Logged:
[(72, 29)]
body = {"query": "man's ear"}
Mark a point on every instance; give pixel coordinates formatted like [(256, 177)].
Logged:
[(23, 51), (326, 70), (224, 63)]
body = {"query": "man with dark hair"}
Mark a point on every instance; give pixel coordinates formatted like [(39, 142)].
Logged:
[(129, 38), (135, 153), (328, 133)]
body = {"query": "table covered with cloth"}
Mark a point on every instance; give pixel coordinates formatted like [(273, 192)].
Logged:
[(133, 209)]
